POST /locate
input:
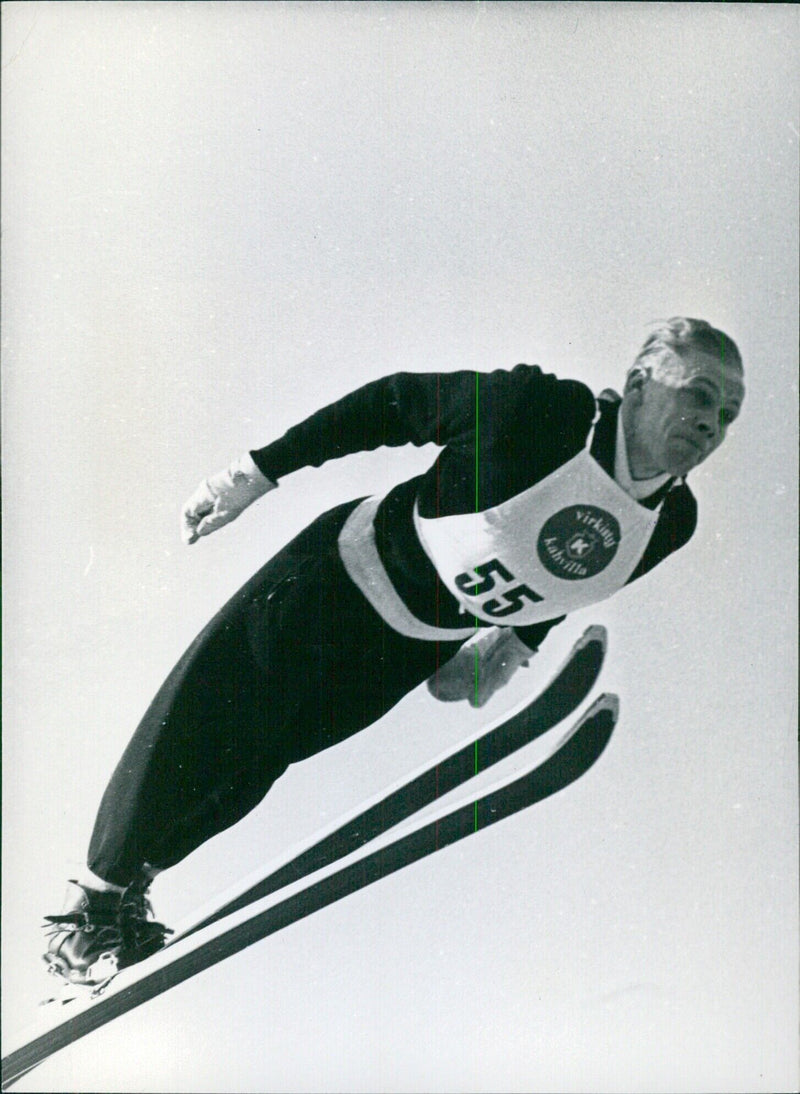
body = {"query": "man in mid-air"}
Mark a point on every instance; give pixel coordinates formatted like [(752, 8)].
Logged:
[(543, 499)]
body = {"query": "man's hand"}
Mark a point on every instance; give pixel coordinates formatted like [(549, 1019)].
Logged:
[(480, 668), (220, 499)]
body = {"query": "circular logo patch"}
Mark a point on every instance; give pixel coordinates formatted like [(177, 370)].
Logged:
[(578, 542)]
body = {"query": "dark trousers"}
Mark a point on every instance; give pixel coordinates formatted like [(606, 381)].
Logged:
[(296, 661)]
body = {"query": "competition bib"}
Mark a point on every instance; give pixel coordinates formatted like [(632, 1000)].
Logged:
[(569, 541)]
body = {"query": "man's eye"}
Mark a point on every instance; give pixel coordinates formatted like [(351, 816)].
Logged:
[(726, 417), (701, 396)]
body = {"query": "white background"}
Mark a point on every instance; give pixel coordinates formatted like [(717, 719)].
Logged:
[(216, 219)]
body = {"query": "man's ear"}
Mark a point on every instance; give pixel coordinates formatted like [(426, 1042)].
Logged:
[(635, 381)]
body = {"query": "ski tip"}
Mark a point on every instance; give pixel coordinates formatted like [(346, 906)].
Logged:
[(595, 633), (606, 702), (601, 716)]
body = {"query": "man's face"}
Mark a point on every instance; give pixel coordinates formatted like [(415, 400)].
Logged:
[(680, 412)]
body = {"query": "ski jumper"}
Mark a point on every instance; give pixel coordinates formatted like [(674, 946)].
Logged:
[(518, 521)]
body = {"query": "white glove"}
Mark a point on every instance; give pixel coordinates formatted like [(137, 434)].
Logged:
[(480, 668), (220, 499)]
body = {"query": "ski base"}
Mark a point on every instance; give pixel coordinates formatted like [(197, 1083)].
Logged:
[(567, 689), (575, 754)]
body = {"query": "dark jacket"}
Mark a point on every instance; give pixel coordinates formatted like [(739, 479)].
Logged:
[(500, 433)]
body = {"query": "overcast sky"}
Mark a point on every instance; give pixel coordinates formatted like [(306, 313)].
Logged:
[(218, 217)]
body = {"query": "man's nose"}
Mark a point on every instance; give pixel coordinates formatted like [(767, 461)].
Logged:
[(707, 423)]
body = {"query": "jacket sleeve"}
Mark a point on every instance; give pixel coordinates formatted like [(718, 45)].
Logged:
[(535, 634), (405, 408), (676, 526), (447, 408)]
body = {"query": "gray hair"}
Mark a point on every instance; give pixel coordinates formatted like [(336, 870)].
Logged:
[(678, 336)]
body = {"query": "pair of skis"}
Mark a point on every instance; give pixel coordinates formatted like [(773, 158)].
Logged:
[(250, 915)]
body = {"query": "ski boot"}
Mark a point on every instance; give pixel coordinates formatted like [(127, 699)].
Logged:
[(99, 933)]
